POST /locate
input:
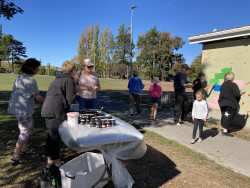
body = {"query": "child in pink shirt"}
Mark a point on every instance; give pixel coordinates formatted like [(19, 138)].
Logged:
[(155, 92)]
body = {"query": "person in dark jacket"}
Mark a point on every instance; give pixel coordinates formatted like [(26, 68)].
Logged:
[(199, 84), (60, 95), (228, 101), (181, 98)]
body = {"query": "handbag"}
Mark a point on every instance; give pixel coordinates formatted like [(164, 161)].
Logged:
[(49, 178)]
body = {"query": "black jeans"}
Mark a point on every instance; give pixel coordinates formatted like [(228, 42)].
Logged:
[(200, 123), (227, 115), (135, 98), (181, 107), (52, 147)]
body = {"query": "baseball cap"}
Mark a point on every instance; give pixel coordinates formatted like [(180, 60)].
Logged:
[(185, 66), (87, 62)]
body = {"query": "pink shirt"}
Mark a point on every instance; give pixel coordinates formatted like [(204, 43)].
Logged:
[(155, 91), (85, 80)]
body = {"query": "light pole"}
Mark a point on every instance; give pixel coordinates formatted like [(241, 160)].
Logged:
[(131, 42)]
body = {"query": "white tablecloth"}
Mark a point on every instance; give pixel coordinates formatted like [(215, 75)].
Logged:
[(122, 141)]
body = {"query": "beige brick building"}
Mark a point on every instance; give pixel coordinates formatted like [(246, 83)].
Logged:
[(225, 51)]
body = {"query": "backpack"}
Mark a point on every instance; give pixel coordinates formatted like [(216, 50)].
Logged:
[(49, 178)]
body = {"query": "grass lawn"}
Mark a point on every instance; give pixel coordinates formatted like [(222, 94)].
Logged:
[(165, 164), (43, 81)]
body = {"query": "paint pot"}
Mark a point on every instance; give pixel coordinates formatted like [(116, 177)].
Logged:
[(72, 118)]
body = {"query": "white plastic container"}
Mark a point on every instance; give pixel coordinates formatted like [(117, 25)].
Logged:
[(83, 171), (72, 118)]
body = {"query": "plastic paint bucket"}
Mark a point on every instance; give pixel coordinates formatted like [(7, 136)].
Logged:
[(72, 118)]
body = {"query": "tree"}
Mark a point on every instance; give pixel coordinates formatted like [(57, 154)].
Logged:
[(95, 46), (166, 50), (81, 48), (11, 49), (147, 47), (123, 45), (111, 46), (195, 67), (119, 70), (17, 51), (9, 9)]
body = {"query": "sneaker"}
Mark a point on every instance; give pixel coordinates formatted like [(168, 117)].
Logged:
[(200, 140), (192, 141), (178, 124), (227, 134), (185, 122)]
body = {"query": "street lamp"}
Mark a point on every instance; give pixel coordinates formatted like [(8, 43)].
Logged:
[(131, 42)]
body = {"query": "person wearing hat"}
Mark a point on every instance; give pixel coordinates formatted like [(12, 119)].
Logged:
[(155, 92), (135, 87), (181, 98), (87, 84)]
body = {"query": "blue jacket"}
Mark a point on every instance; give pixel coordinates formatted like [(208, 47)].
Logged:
[(179, 81), (135, 85)]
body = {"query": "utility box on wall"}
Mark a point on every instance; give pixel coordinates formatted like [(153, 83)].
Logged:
[(226, 51)]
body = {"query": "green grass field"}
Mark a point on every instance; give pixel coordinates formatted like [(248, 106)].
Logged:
[(43, 81), (107, 84)]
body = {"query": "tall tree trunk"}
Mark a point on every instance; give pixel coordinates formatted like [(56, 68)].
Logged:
[(162, 74), (12, 65)]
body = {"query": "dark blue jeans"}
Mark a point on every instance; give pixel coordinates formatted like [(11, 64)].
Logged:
[(85, 103)]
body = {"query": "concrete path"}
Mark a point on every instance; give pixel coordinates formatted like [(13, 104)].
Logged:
[(229, 152)]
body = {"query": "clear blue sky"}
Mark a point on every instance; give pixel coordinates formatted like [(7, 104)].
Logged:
[(50, 29)]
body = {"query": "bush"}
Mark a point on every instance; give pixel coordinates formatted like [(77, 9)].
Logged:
[(2, 70), (17, 70), (42, 70)]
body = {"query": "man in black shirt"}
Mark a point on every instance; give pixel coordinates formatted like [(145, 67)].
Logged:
[(181, 98)]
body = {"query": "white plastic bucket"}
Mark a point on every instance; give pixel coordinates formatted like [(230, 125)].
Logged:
[(83, 171), (72, 118)]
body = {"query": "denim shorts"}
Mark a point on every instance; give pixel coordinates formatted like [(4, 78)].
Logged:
[(25, 125), (85, 103)]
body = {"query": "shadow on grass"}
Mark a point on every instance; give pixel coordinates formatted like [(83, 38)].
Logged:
[(152, 170), (23, 175)]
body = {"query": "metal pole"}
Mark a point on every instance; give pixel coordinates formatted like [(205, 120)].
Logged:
[(131, 42)]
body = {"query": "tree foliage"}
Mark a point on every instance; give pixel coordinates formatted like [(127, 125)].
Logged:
[(122, 52), (195, 67), (158, 51), (11, 49), (9, 9)]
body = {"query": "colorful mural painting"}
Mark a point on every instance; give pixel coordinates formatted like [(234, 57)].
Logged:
[(219, 56), (216, 80)]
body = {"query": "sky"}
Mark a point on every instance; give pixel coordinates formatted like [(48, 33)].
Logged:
[(51, 29)]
